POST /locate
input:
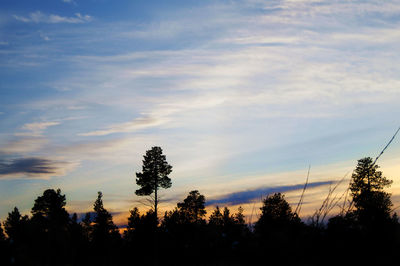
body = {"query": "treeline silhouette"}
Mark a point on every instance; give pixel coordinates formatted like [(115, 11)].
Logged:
[(366, 232)]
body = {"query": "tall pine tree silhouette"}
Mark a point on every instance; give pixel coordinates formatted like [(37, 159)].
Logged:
[(154, 175), (373, 204)]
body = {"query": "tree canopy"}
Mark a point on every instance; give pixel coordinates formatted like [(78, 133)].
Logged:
[(51, 206), (2, 236), (15, 224), (103, 225), (154, 175), (276, 213), (186, 237), (193, 207), (372, 203)]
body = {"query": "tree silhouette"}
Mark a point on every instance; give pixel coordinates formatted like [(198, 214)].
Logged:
[(140, 225), (15, 225), (51, 208), (5, 257), (141, 235), (373, 205), (193, 207), (228, 219), (370, 223), (216, 219), (227, 231), (104, 228), (190, 211), (86, 224), (20, 232), (154, 175), (276, 212), (52, 237), (104, 233), (185, 228), (78, 240), (50, 224), (2, 236), (277, 226), (133, 220), (239, 217)]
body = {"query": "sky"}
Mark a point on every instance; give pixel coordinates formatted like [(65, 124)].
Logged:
[(242, 96)]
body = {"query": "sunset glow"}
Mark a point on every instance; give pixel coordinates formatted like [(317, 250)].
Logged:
[(242, 96)]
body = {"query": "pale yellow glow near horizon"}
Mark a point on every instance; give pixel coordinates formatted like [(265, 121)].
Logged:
[(312, 199)]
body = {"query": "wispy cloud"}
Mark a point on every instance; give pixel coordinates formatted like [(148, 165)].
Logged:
[(23, 146), (229, 90), (134, 125), (44, 36), (38, 126), (70, 2), (36, 129), (76, 107), (34, 167), (39, 17), (117, 151)]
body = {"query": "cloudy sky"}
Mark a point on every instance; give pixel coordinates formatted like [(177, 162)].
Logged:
[(241, 95)]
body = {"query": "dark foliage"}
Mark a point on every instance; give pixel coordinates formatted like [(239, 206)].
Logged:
[(368, 234), (4, 248), (50, 223), (184, 228), (371, 222), (373, 205), (277, 217), (2, 236), (103, 227), (104, 234), (227, 234), (15, 225), (193, 207), (154, 175), (141, 236), (278, 228)]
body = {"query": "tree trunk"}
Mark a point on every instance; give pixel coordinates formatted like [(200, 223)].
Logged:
[(156, 197), (155, 232), (155, 203)]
